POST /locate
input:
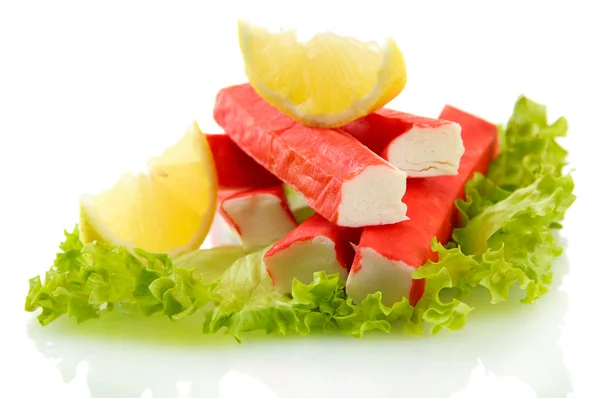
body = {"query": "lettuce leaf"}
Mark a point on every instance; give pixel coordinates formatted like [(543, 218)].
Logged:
[(526, 210), (246, 301), (87, 280), (211, 263), (448, 274), (529, 147), (504, 237), (297, 204)]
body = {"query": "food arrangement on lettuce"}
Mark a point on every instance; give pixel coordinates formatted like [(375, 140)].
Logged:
[(350, 216)]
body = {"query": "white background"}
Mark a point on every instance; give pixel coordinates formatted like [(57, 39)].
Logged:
[(89, 90)]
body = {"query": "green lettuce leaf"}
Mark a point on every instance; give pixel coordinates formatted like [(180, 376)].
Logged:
[(87, 280), (526, 210), (447, 275), (211, 263), (246, 301), (504, 237), (297, 204), (529, 146)]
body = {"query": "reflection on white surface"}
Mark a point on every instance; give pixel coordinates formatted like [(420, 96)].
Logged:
[(235, 384), (507, 350), (486, 384), (184, 388), (147, 393)]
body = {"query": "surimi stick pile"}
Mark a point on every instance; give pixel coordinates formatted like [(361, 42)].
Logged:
[(382, 186), (340, 178), (328, 210)]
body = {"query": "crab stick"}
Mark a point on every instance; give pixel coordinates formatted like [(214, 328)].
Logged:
[(260, 217), (387, 255), (340, 178), (420, 146), (235, 169), (315, 245)]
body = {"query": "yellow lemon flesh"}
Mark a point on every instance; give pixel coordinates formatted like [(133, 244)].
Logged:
[(328, 81), (168, 209)]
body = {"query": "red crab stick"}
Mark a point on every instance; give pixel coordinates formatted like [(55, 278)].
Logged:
[(420, 146), (340, 178), (315, 245), (235, 169), (387, 255), (260, 217)]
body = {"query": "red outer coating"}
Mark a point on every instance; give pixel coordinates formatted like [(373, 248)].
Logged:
[(223, 194), (315, 162), (276, 191), (235, 169), (430, 202), (377, 130), (315, 226)]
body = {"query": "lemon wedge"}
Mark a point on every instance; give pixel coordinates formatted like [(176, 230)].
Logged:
[(167, 209), (326, 82)]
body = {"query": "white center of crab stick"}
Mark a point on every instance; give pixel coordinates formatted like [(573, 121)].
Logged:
[(392, 278), (259, 218), (373, 197), (421, 146), (427, 151), (301, 260)]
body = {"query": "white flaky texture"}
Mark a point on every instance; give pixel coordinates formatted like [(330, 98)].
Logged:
[(260, 219), (427, 152)]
